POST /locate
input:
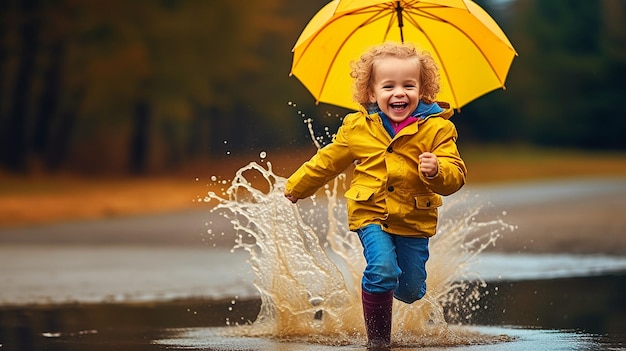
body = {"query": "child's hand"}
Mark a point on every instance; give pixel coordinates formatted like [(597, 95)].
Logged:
[(291, 198), (428, 164)]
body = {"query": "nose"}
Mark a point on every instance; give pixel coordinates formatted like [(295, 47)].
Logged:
[(399, 91)]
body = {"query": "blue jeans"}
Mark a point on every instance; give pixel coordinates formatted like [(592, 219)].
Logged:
[(394, 263)]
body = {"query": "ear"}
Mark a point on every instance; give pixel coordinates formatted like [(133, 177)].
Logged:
[(372, 96)]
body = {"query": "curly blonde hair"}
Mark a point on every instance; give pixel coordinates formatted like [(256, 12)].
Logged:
[(363, 70)]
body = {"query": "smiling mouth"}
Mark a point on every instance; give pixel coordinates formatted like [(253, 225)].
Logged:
[(398, 106)]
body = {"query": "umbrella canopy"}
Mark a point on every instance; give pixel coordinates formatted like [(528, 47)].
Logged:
[(473, 53)]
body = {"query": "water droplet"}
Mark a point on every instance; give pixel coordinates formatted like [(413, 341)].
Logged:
[(263, 154)]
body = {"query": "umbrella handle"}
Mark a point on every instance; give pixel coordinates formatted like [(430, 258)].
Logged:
[(400, 20)]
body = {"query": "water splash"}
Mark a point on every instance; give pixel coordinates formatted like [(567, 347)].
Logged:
[(308, 266)]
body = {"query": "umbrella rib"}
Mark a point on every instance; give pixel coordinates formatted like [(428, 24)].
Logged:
[(388, 30), (313, 37), (437, 18), (440, 19), (377, 14), (432, 44)]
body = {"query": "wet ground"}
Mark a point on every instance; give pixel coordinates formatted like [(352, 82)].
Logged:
[(152, 283), (583, 313)]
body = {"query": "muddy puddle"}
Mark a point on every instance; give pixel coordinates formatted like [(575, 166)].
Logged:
[(580, 313)]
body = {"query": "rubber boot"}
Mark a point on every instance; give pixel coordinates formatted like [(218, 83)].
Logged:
[(377, 313)]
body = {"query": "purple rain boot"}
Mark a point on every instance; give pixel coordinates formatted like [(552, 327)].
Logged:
[(377, 313)]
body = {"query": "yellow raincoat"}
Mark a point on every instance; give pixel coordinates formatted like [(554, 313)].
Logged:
[(387, 187)]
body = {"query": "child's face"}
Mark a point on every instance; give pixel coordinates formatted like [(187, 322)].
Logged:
[(396, 87)]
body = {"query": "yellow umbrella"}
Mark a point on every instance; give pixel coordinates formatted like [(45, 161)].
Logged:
[(473, 53)]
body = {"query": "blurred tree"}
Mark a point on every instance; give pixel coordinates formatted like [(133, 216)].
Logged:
[(4, 27), (49, 135), (144, 84), (609, 97), (212, 72), (14, 144), (494, 117), (567, 66), (148, 85), (563, 89)]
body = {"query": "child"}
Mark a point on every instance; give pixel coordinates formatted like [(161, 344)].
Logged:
[(404, 153)]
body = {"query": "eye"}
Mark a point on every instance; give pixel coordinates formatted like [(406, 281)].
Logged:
[(409, 86), (387, 86)]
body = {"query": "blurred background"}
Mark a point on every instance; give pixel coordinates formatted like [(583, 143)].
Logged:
[(117, 108), (146, 88)]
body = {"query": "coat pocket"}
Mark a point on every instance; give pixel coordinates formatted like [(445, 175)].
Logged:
[(359, 193), (425, 202)]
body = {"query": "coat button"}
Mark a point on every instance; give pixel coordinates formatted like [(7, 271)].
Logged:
[(428, 203), (390, 189), (390, 149)]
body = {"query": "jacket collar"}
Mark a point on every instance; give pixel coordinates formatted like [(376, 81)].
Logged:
[(422, 111)]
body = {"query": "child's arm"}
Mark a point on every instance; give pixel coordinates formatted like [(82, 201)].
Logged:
[(325, 165), (447, 175)]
